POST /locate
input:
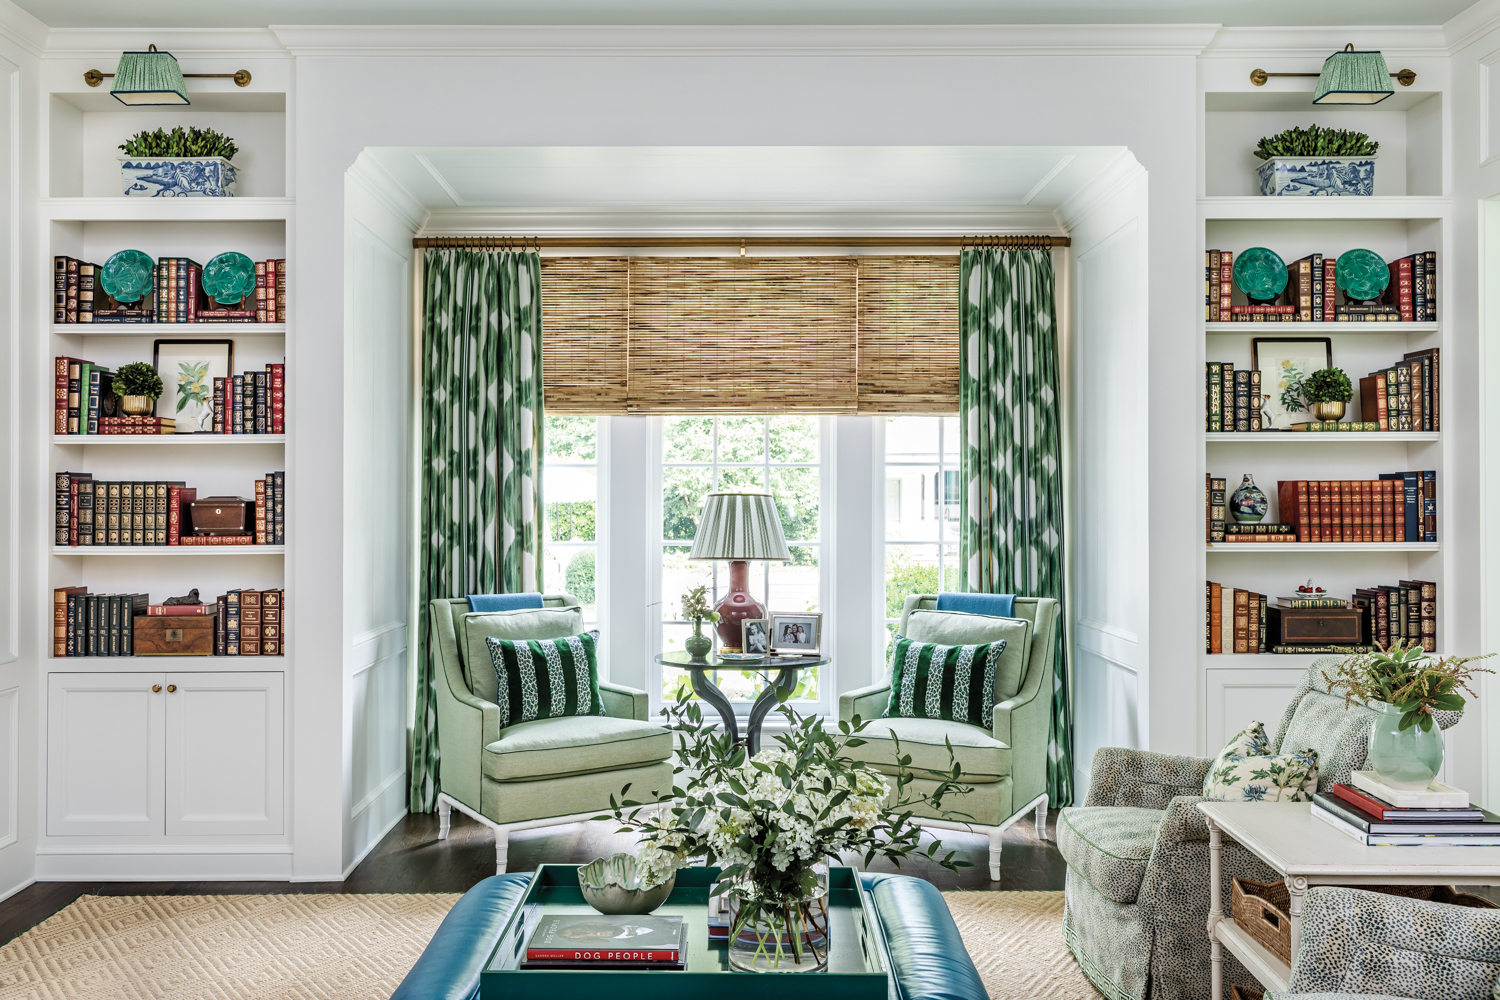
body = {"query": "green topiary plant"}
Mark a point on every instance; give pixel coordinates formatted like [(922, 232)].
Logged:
[(192, 142), (138, 379), (1328, 385), (1316, 141)]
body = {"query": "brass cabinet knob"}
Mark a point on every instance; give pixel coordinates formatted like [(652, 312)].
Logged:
[(156, 688), (171, 688)]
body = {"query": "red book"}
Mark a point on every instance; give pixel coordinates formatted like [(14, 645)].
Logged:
[(270, 291), (179, 499), (217, 540), (1226, 283), (260, 290), (1384, 811), (180, 610), (602, 955), (278, 398), (1330, 287), (195, 280), (1400, 291), (260, 512)]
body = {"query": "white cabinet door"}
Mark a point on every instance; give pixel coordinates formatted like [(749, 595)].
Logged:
[(106, 736), (224, 753)]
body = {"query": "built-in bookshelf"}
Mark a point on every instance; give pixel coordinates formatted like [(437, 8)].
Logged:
[(1408, 214)]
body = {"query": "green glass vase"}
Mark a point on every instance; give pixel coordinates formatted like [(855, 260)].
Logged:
[(698, 645), (1406, 760)]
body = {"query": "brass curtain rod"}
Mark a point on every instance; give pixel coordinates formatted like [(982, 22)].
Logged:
[(1029, 242)]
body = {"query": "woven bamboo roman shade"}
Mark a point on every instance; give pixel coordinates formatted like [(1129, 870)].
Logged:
[(785, 334)]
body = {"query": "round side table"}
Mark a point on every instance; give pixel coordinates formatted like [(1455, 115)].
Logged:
[(785, 679)]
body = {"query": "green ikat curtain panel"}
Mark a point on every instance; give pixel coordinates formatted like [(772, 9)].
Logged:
[(1011, 451), (481, 453)]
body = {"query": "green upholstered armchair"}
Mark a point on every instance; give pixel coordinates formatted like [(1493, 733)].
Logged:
[(540, 773), (1007, 764)]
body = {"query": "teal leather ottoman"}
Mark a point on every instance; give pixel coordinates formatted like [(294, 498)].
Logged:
[(928, 960)]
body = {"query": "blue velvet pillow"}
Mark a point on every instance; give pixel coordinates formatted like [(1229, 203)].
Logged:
[(504, 602), (997, 605)]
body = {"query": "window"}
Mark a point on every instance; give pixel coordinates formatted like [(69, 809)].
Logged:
[(921, 534), (570, 504), (781, 454)]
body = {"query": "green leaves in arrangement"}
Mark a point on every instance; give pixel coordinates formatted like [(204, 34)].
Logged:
[(138, 379), (1316, 141), (192, 142), (1403, 676), (1328, 385)]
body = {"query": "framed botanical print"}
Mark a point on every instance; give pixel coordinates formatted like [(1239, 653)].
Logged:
[(188, 369), (1284, 363)]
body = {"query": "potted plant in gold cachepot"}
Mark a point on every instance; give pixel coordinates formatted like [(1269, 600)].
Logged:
[(139, 387), (1327, 391)]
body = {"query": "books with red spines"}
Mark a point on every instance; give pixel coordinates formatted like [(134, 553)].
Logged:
[(260, 512), (137, 429), (181, 610), (75, 392), (195, 282), (1213, 286), (179, 507), (260, 290), (1372, 401), (278, 398), (173, 315), (271, 285), (227, 315), (1241, 621), (1400, 292), (217, 540), (60, 394), (281, 291), (249, 623), (1330, 288)]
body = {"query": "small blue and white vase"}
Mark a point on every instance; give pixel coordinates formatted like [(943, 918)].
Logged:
[(178, 177), (1249, 504), (1314, 176)]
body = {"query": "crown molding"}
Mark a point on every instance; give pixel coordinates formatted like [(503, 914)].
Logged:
[(375, 179), (21, 29), (1472, 25), (751, 222), (1122, 171), (820, 41), (184, 43), (1411, 42)]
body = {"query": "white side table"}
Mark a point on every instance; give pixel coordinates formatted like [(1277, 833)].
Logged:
[(1306, 851)]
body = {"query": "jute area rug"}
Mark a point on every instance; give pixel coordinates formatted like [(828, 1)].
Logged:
[(360, 946)]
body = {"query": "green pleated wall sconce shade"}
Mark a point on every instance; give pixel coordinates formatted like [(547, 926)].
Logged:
[(1351, 77), (149, 78)]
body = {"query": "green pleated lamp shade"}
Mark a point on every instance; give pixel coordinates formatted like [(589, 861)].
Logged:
[(739, 526), (1353, 78), (149, 78)]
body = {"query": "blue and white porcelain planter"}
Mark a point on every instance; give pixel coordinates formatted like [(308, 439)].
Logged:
[(178, 177), (1305, 176)]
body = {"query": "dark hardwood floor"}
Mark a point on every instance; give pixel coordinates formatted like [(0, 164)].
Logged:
[(411, 859)]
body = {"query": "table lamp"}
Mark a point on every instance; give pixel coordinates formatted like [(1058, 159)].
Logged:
[(739, 527)]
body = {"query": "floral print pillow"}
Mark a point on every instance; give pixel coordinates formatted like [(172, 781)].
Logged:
[(1247, 771)]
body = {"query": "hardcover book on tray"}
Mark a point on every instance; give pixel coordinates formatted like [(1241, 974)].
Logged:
[(603, 941)]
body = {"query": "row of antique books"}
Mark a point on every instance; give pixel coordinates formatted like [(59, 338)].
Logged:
[(84, 402), (176, 295), (1406, 396), (240, 623), (1397, 507), (1312, 295), (1236, 621), (159, 512)]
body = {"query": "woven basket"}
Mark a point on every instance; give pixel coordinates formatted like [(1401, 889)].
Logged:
[(1245, 993), (1260, 910)]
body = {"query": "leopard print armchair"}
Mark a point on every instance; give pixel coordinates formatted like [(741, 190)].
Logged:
[(1137, 852), (1359, 945)]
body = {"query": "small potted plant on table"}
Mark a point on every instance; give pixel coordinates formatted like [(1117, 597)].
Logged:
[(1317, 161), (179, 164), (696, 610), (1326, 391), (138, 387)]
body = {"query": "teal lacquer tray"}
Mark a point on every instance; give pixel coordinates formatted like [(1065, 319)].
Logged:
[(856, 970)]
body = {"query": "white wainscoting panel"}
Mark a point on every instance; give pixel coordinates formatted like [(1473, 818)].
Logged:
[(10, 765), (224, 754), (377, 785), (106, 746), (1236, 698)]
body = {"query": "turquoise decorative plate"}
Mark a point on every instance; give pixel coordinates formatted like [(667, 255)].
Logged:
[(1362, 275), (229, 277), (126, 276), (1259, 273)]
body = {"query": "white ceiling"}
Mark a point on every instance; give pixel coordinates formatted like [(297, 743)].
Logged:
[(198, 14), (733, 179)]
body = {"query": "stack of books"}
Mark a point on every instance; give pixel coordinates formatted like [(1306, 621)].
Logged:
[(1377, 815), (1312, 294), (176, 295), (1407, 396), (155, 512), (599, 941)]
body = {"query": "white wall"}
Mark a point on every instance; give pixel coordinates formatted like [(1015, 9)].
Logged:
[(377, 378)]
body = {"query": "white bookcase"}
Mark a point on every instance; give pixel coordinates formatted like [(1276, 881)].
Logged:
[(1407, 214), (178, 703)]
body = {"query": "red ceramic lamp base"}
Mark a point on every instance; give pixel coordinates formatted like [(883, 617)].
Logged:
[(736, 607)]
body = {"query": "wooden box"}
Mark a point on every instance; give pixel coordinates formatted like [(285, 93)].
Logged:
[(222, 516), (1315, 626), (180, 635)]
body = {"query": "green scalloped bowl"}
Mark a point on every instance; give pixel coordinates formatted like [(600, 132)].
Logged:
[(127, 275), (1259, 273), (229, 277), (1362, 275)]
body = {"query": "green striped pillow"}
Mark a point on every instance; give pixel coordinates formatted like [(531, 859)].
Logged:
[(933, 681), (546, 678)]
